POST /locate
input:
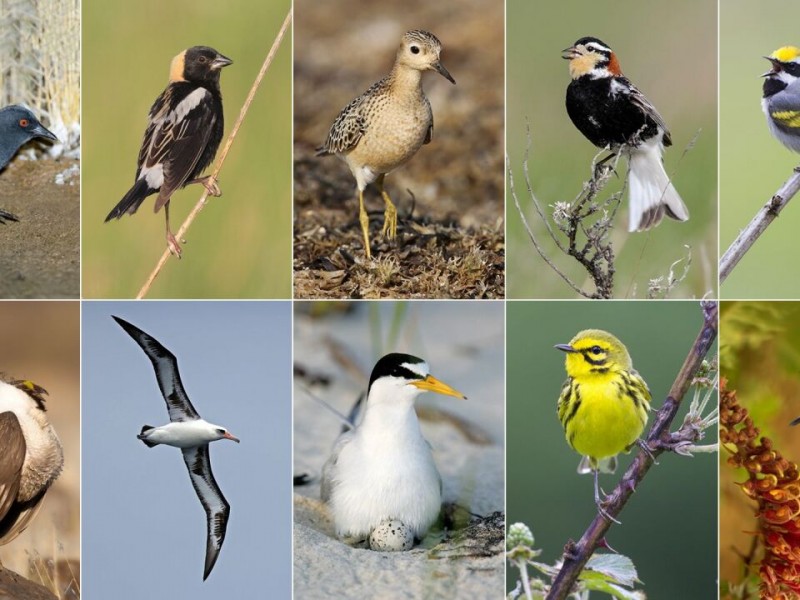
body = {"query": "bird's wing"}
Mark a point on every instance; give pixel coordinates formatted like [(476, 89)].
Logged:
[(783, 108), (330, 470), (216, 507), (11, 460), (642, 103), (176, 136), (351, 124), (166, 367), (429, 135)]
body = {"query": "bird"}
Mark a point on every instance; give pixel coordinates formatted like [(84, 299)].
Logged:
[(383, 470), (184, 130), (384, 127), (603, 404), (187, 431), (612, 113), (18, 126), (781, 101), (31, 455)]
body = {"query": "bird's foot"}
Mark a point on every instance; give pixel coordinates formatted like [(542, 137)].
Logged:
[(602, 511), (390, 222), (210, 183), (646, 449), (173, 245)]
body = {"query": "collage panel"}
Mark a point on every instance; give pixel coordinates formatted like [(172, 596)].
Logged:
[(592, 223), (135, 58), (759, 364), (577, 384), (435, 227), (397, 496), (40, 451), (230, 405), (40, 146), (758, 153)]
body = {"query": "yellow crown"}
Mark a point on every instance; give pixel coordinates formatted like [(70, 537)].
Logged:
[(786, 54)]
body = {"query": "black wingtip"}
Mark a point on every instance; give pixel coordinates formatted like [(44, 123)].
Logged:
[(795, 421)]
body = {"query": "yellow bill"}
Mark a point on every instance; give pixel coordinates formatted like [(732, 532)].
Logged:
[(431, 384)]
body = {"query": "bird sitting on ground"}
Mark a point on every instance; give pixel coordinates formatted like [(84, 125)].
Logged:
[(31, 456), (385, 126), (183, 133), (18, 126)]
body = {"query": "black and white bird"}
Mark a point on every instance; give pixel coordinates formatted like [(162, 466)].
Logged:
[(608, 109), (183, 133), (383, 469), (18, 126), (31, 456), (187, 431)]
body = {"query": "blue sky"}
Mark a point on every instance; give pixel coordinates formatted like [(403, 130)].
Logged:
[(143, 526)]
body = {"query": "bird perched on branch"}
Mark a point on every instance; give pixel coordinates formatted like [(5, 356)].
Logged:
[(183, 134), (18, 126), (781, 101), (385, 126), (608, 109)]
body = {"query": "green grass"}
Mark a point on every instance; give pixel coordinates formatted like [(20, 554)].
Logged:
[(753, 165), (240, 245), (676, 72)]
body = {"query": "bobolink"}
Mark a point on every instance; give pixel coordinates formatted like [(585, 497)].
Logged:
[(603, 403), (608, 109), (183, 133), (781, 101)]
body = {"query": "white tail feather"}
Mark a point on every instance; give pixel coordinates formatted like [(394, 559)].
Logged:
[(651, 192)]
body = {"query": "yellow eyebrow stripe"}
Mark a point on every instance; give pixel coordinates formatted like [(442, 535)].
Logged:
[(790, 118)]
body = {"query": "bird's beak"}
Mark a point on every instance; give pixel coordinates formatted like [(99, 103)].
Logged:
[(228, 436), (443, 72), (565, 348), (795, 421), (42, 132), (776, 66), (219, 62), (569, 53), (431, 384)]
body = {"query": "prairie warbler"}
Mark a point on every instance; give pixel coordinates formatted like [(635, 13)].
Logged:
[(603, 404)]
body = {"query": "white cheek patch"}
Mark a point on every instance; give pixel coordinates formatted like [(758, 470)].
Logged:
[(187, 104), (154, 176)]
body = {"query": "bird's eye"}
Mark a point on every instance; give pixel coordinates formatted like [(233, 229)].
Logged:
[(221, 431), (596, 350), (23, 122), (414, 49), (202, 60)]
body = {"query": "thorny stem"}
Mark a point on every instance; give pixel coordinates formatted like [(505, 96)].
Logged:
[(215, 173), (576, 555), (765, 215)]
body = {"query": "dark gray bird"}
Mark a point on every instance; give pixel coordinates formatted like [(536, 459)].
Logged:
[(18, 126)]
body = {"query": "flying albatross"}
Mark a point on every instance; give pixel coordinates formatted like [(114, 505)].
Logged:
[(31, 457), (187, 431)]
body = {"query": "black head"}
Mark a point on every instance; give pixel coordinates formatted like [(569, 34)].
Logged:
[(19, 125), (198, 64), (399, 365)]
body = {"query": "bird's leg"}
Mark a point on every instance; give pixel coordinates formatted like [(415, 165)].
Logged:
[(362, 216), (598, 502), (210, 183), (172, 243), (390, 216)]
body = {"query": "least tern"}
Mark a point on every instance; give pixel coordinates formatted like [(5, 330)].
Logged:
[(31, 456), (383, 469), (187, 431)]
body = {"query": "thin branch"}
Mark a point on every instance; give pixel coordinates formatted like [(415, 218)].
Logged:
[(215, 173), (659, 439), (758, 225)]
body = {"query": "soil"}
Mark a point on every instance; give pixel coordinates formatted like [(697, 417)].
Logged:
[(40, 253), (450, 237)]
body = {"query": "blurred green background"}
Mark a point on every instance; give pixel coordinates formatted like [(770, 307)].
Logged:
[(760, 357), (669, 51), (240, 245), (669, 527), (753, 164)]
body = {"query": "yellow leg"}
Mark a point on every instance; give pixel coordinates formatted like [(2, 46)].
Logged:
[(362, 216), (390, 215)]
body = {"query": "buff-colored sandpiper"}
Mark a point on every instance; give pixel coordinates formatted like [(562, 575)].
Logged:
[(386, 125)]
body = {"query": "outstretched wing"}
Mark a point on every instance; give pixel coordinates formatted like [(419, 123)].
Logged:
[(217, 508), (166, 367)]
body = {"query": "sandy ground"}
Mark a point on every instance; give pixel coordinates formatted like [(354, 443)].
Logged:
[(449, 196), (40, 254), (467, 439)]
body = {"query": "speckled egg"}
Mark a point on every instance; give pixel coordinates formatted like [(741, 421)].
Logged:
[(391, 536)]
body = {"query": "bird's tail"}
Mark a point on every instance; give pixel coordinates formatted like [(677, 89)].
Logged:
[(604, 465), (142, 436), (131, 201), (651, 192)]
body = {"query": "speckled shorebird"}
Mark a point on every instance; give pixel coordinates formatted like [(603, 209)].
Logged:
[(31, 456), (386, 125)]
